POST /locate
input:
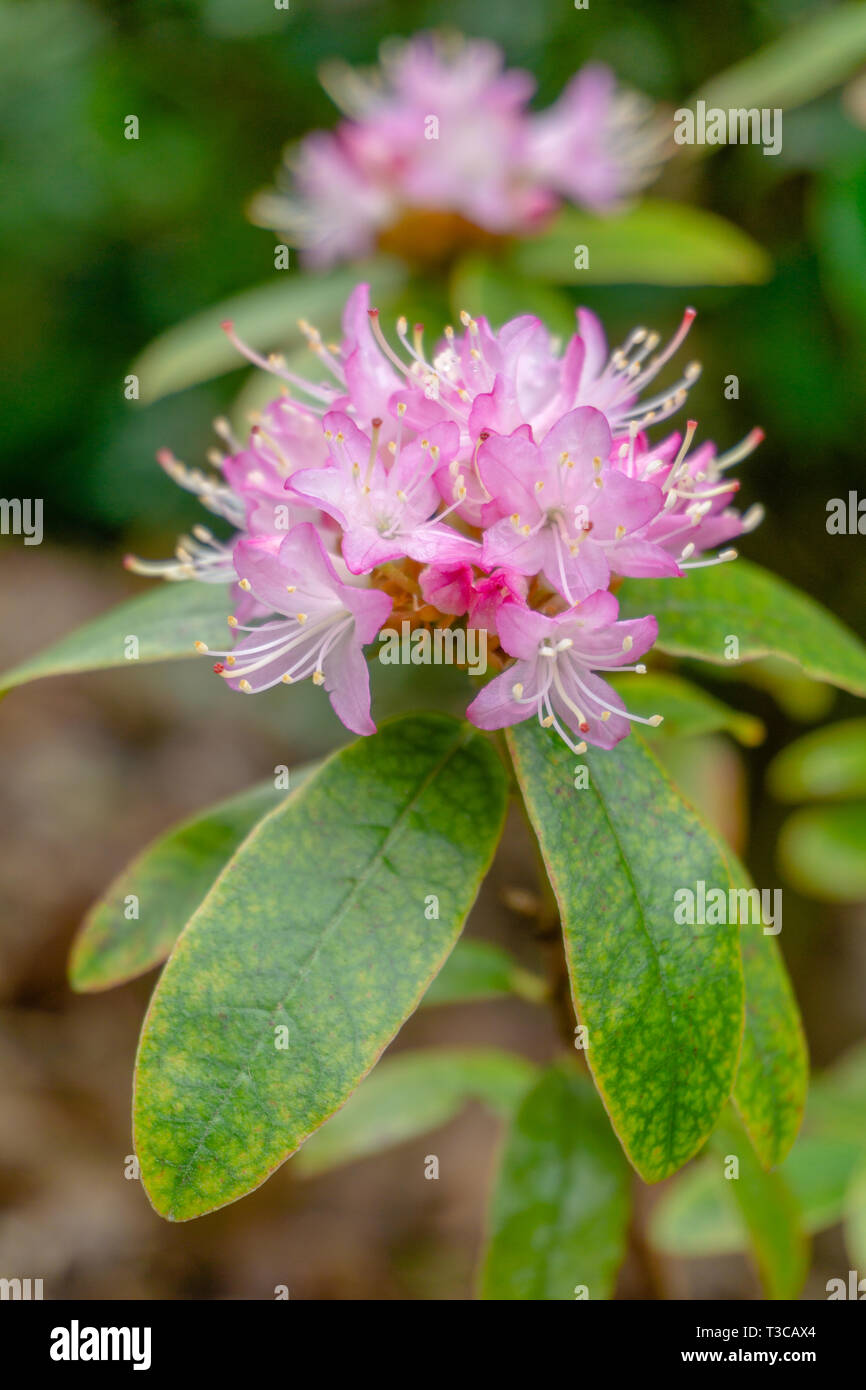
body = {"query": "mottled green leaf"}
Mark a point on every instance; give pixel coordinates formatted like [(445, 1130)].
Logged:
[(412, 1093), (687, 709), (323, 924), (698, 614), (812, 56), (264, 317), (561, 1203), (829, 764), (168, 881), (479, 970), (654, 243), (662, 1002), (822, 852), (166, 620), (769, 1210)]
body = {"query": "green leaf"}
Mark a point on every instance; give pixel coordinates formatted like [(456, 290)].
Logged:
[(561, 1202), (807, 60), (497, 292), (265, 317), (168, 880), (829, 764), (819, 1171), (324, 923), (700, 612), (479, 970), (698, 1215), (770, 1213), (166, 620), (773, 1072), (822, 852), (688, 710), (662, 1002), (412, 1093), (654, 243)]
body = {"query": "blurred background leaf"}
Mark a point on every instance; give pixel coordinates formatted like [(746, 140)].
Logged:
[(655, 243)]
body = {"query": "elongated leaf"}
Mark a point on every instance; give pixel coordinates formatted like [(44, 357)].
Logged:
[(479, 970), (412, 1093), (822, 851), (561, 1203), (265, 317), (166, 621), (688, 710), (662, 1002), (698, 614), (769, 1211), (829, 764), (163, 886), (810, 58), (655, 243), (317, 942), (773, 1072)]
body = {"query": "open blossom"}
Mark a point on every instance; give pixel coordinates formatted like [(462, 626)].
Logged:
[(499, 382), (386, 512), (443, 128), (498, 484), (696, 515), (554, 676), (324, 627), (570, 518)]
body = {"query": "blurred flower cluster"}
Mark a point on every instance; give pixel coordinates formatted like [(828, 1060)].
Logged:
[(495, 481), (440, 143)]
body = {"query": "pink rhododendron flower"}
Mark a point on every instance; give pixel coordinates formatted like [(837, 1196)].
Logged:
[(326, 624), (696, 515), (444, 128), (498, 484), (490, 592), (596, 144), (570, 518), (385, 512), (554, 676)]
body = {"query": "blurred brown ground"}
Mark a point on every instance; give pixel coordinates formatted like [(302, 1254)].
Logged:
[(94, 767)]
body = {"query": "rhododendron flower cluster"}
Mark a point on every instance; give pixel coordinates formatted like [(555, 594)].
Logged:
[(442, 128), (494, 481)]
